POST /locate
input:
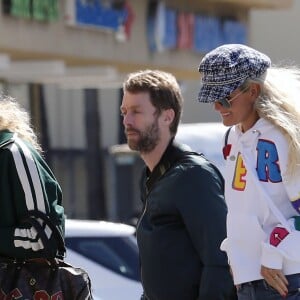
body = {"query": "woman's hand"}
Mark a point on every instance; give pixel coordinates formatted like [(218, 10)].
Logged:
[(276, 279)]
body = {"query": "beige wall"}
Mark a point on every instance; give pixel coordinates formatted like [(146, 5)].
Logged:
[(271, 31), (276, 33), (96, 46)]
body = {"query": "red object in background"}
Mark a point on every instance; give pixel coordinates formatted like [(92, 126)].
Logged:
[(277, 235), (129, 20), (226, 150), (185, 25)]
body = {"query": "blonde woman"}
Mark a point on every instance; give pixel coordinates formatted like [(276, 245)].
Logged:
[(262, 149), (26, 184)]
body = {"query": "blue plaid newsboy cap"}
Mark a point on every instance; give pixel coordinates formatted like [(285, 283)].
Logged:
[(225, 68)]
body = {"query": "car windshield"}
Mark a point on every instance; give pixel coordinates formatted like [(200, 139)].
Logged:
[(119, 254)]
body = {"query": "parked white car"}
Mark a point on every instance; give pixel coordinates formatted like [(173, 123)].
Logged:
[(206, 138), (109, 253)]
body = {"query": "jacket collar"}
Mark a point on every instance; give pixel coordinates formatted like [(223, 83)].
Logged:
[(6, 137), (173, 152)]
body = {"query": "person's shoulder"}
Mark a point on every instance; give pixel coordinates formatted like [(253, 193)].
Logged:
[(6, 138), (189, 161), (198, 165), (275, 135), (195, 159)]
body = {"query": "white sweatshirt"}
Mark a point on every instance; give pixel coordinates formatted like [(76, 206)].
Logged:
[(250, 221)]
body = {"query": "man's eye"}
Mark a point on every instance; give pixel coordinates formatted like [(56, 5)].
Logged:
[(134, 112)]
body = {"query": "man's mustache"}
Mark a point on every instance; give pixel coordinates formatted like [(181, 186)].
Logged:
[(131, 130)]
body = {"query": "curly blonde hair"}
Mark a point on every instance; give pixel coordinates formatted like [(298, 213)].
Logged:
[(16, 119)]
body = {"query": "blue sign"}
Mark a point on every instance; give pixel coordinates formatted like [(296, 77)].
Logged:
[(106, 14)]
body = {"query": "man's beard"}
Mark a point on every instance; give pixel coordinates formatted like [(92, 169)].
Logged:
[(148, 139)]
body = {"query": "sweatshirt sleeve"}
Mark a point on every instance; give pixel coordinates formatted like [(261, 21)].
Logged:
[(203, 210), (272, 256), (290, 177), (292, 187), (26, 184), (282, 244)]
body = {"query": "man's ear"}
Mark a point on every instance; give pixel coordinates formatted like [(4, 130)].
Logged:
[(169, 115)]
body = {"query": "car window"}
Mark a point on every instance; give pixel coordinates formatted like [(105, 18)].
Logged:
[(118, 254)]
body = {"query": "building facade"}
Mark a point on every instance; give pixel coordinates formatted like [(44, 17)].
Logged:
[(65, 62)]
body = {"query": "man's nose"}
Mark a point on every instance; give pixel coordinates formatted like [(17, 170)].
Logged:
[(127, 119)]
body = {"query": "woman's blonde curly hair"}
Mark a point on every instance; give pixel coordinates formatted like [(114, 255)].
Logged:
[(279, 102), (16, 119)]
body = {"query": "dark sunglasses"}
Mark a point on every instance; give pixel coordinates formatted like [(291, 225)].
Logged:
[(226, 102)]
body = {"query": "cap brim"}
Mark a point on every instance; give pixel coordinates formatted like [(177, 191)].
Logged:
[(212, 93)]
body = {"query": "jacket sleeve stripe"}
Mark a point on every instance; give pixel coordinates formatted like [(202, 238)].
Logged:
[(28, 239), (36, 181), (22, 175), (31, 183)]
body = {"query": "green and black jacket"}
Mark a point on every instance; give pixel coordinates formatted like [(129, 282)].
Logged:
[(26, 183)]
